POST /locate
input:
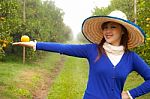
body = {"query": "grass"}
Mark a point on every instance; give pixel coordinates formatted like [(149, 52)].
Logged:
[(71, 82), (19, 80), (8, 71)]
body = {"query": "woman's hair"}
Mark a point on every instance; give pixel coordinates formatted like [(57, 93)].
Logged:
[(124, 41)]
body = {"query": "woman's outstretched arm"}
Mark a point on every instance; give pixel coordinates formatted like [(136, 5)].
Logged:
[(77, 50)]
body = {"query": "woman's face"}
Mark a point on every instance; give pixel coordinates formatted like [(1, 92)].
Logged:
[(112, 33)]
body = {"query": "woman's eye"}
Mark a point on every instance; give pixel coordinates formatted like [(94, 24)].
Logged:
[(113, 26)]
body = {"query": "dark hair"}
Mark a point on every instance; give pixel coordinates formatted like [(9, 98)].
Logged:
[(124, 41)]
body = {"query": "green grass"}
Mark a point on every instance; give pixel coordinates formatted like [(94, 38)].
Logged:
[(8, 71), (71, 82), (18, 80)]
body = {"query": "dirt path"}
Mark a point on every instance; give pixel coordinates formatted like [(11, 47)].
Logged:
[(42, 91)]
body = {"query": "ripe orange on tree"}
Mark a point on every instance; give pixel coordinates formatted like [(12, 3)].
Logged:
[(4, 45)]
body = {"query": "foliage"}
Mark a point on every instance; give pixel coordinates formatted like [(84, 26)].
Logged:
[(143, 19), (123, 5), (8, 22), (43, 21), (143, 51), (102, 11)]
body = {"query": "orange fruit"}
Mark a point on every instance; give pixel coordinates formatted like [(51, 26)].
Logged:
[(147, 19), (4, 45), (148, 38), (25, 38)]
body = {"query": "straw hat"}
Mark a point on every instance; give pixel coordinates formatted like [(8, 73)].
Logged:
[(91, 28)]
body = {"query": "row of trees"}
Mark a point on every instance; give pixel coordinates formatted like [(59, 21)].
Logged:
[(41, 21)]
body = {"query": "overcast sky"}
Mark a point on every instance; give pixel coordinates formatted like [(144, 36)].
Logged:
[(78, 10)]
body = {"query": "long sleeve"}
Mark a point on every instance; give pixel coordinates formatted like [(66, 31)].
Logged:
[(144, 70), (80, 50)]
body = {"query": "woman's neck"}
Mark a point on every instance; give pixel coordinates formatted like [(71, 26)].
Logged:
[(113, 49)]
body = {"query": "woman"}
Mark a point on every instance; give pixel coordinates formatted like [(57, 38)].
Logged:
[(109, 57)]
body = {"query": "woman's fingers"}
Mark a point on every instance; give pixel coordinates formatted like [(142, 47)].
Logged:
[(16, 43), (27, 44)]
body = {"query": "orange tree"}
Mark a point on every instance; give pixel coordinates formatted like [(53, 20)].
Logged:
[(143, 19), (43, 22), (8, 22)]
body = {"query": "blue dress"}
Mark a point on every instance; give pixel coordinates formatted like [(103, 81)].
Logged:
[(105, 81)]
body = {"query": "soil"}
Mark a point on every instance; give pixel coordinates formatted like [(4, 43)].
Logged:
[(42, 91)]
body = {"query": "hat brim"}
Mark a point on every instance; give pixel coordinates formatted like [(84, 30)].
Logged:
[(91, 29)]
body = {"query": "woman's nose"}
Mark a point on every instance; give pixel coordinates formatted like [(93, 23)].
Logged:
[(108, 30)]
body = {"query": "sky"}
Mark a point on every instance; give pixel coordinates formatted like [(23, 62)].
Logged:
[(78, 10)]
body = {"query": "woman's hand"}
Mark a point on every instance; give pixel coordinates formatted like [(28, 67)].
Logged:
[(125, 95), (27, 44)]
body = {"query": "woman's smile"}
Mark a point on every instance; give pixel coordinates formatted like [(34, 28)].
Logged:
[(108, 36)]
